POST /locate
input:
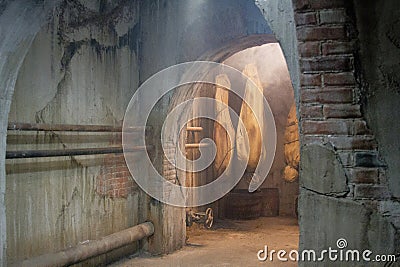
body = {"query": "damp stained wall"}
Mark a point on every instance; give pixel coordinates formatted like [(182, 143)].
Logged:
[(21, 21), (378, 24), (81, 69), (179, 31)]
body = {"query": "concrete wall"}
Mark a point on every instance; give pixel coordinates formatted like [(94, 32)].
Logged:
[(179, 31), (280, 18), (20, 22), (80, 69), (379, 91), (380, 79)]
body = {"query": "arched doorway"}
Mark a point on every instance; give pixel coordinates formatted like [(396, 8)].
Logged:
[(278, 195)]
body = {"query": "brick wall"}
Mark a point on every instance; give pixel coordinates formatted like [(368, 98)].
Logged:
[(329, 109), (114, 180)]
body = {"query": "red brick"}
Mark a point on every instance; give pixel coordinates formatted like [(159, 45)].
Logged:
[(335, 48), (327, 96), (311, 139), (368, 159), (122, 174), (342, 111), (326, 64), (119, 157), (128, 184), (114, 179), (123, 168), (311, 111), (305, 18), (310, 80), (317, 4), (109, 160), (309, 49), (363, 175), (117, 186), (364, 142), (336, 127), (333, 16), (353, 142), (123, 192), (118, 180), (371, 192), (341, 78), (321, 33), (113, 193), (301, 4), (108, 176)]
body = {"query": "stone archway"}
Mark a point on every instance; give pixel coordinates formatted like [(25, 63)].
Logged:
[(16, 38), (279, 94), (183, 94)]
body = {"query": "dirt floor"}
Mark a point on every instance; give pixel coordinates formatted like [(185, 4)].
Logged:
[(229, 243)]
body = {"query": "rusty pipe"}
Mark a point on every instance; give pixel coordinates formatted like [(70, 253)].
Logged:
[(194, 129), (196, 145), (23, 154), (91, 249), (23, 126)]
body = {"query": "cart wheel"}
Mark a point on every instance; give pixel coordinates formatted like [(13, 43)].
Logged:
[(209, 218)]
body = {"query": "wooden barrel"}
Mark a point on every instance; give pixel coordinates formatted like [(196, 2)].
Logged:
[(242, 205)]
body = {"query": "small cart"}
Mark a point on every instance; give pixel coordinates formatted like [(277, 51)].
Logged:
[(206, 218)]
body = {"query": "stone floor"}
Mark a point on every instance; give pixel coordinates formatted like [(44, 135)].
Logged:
[(229, 243)]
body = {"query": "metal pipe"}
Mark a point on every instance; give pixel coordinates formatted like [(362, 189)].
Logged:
[(194, 129), (18, 126), (22, 154), (91, 249), (198, 145)]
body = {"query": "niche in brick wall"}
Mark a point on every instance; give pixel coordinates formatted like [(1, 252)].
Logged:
[(114, 179)]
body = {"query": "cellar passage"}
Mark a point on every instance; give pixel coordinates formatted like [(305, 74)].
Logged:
[(69, 68)]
